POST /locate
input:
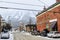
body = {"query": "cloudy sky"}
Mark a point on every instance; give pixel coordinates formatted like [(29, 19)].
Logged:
[(27, 8), (23, 4)]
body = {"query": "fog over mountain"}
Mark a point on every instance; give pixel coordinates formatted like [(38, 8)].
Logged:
[(25, 19), (20, 17)]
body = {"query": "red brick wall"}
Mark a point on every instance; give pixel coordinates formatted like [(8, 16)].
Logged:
[(57, 0), (49, 15)]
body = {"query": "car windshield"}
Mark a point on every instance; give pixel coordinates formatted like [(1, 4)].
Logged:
[(57, 32), (54, 32), (51, 32)]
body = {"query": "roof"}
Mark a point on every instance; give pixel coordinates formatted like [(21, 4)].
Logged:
[(31, 25), (48, 8)]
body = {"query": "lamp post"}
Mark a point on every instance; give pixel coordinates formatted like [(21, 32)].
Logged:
[(0, 20)]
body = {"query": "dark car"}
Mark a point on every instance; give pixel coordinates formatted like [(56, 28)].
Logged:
[(5, 31), (44, 32), (35, 33)]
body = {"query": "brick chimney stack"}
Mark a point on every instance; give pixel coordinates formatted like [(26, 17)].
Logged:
[(57, 0)]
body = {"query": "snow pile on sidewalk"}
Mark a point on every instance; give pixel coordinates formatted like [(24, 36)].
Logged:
[(15, 31), (26, 33)]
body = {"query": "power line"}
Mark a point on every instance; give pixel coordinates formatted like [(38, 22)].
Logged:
[(21, 3), (19, 9), (43, 2)]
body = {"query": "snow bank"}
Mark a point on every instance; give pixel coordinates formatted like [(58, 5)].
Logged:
[(26, 33)]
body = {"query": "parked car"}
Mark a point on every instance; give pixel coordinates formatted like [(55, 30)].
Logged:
[(44, 32), (53, 34), (5, 35), (5, 31), (35, 33)]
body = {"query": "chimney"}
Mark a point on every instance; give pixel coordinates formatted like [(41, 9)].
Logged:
[(57, 1), (44, 8)]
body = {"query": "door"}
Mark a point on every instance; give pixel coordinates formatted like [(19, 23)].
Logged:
[(53, 26)]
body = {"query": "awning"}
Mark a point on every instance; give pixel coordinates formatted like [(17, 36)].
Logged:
[(53, 24)]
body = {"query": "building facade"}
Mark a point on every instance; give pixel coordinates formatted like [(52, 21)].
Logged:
[(31, 27), (49, 18)]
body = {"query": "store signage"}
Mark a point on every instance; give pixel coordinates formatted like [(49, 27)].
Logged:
[(52, 20)]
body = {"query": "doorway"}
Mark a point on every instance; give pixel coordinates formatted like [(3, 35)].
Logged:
[(53, 26)]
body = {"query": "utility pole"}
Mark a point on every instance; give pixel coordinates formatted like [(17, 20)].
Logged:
[(9, 21), (0, 20), (30, 21), (0, 23)]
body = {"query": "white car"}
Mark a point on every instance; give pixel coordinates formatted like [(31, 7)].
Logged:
[(5, 35), (53, 34)]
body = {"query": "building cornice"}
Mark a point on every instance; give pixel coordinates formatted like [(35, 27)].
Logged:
[(48, 9)]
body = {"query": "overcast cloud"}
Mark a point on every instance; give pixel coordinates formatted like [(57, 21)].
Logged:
[(10, 12), (20, 14)]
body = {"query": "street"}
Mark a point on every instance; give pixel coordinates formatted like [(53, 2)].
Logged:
[(26, 36), (29, 19)]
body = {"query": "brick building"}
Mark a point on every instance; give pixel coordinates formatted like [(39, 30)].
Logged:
[(30, 27), (49, 18)]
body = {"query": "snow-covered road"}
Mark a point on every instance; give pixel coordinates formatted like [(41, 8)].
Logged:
[(16, 35), (27, 36)]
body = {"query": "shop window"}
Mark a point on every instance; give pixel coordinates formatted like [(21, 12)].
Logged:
[(54, 13), (47, 26)]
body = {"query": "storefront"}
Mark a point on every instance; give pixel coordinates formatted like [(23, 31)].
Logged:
[(49, 18)]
